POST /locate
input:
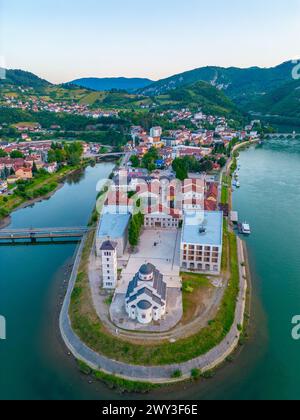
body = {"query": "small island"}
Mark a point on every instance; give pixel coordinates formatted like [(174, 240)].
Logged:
[(159, 288)]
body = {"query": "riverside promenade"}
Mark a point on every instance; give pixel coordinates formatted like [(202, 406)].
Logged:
[(153, 374)]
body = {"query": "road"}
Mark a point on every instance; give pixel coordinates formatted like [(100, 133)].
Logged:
[(152, 374)]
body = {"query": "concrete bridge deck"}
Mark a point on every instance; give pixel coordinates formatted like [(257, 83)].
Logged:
[(33, 234)]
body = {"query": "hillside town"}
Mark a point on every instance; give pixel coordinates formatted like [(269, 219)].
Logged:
[(148, 152), (39, 104)]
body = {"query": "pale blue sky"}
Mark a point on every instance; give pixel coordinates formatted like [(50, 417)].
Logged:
[(64, 39)]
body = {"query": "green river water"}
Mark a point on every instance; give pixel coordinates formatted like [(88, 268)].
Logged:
[(35, 364)]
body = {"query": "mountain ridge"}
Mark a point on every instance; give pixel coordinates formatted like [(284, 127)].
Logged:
[(237, 83), (112, 83)]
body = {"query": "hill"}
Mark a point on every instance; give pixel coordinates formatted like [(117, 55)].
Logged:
[(25, 86), (199, 95), (118, 83), (281, 106), (24, 79), (241, 85)]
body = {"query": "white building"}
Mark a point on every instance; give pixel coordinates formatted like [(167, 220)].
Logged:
[(146, 295), (201, 242), (156, 132), (163, 219), (109, 262)]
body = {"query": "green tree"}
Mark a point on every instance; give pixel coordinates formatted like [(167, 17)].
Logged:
[(150, 158), (34, 169), (135, 161), (222, 162), (135, 227), (16, 154), (181, 168), (206, 166)]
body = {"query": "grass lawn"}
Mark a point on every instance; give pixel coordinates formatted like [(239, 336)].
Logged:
[(195, 287), (226, 183), (88, 327), (113, 382)]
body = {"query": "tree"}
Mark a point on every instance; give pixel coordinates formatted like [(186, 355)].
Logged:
[(135, 227), (34, 169), (16, 154), (151, 167), (182, 173), (2, 153), (133, 234), (206, 166), (74, 159), (222, 162), (180, 167), (135, 161), (150, 158)]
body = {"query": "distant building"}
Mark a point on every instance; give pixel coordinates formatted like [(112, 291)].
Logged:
[(109, 261), (201, 242), (156, 132), (146, 295), (24, 173), (113, 227)]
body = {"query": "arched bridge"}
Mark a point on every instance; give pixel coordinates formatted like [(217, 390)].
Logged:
[(33, 234), (293, 135)]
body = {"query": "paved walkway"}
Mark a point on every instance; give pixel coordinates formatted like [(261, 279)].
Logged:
[(153, 374)]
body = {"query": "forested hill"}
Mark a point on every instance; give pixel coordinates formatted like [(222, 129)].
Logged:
[(24, 79), (200, 95), (241, 85)]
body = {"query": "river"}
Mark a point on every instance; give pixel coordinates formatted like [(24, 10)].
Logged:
[(34, 362)]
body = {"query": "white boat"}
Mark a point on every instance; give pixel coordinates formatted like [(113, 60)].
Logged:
[(245, 228), (237, 184)]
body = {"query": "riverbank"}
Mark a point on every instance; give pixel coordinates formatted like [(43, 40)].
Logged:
[(57, 180), (163, 374), (209, 355)]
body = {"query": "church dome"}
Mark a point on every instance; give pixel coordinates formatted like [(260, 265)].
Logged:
[(146, 269), (146, 272)]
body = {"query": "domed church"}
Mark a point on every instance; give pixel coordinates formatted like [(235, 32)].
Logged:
[(146, 295)]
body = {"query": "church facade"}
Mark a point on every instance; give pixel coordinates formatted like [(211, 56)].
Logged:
[(146, 295)]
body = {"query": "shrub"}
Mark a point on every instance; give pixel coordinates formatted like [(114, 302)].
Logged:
[(176, 374), (195, 374)]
